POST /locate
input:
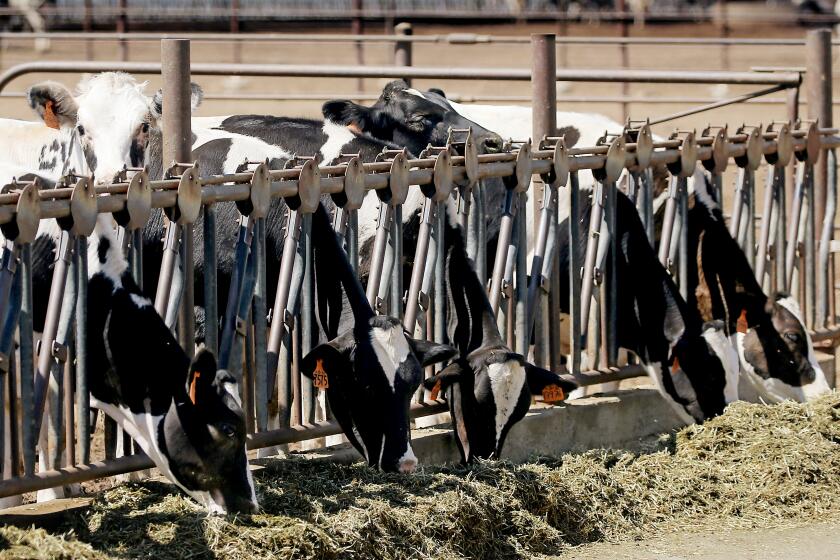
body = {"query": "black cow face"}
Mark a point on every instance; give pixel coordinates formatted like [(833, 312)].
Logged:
[(405, 116), (206, 441), (186, 416), (777, 350), (371, 373), (488, 392)]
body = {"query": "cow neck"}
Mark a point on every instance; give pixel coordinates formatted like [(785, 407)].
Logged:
[(331, 258), (472, 324)]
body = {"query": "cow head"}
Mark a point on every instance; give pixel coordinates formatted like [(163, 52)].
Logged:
[(489, 391), (404, 116), (111, 115), (205, 440), (371, 374), (186, 415), (370, 367), (777, 354)]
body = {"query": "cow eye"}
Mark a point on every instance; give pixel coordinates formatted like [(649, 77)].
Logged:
[(144, 128), (793, 337), (228, 430), (81, 130)]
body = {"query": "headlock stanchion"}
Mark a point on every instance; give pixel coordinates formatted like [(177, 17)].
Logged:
[(271, 386)]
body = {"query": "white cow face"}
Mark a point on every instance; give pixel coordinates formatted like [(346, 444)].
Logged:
[(111, 114)]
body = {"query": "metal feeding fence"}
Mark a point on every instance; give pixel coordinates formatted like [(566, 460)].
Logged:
[(279, 402)]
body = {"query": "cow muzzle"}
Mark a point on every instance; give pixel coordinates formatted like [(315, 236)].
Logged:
[(408, 462)]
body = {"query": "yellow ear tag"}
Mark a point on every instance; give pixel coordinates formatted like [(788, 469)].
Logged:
[(319, 376), (741, 326), (50, 118), (675, 367), (192, 386), (553, 393), (435, 391)]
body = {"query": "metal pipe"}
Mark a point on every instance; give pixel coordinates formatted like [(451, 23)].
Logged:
[(48, 351), (281, 298), (82, 374), (417, 72), (574, 273), (383, 227), (396, 242), (823, 264), (505, 236), (167, 267), (307, 312), (521, 287), (418, 270), (211, 297), (668, 222), (232, 321), (538, 278), (592, 241), (718, 104), (260, 320), (27, 366), (818, 86), (770, 195)]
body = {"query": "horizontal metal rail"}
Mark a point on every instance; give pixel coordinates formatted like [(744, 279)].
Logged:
[(340, 71), (449, 38)]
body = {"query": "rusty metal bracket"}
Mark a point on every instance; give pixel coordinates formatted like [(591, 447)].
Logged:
[(684, 166), (754, 149), (138, 202), (24, 227), (720, 148)]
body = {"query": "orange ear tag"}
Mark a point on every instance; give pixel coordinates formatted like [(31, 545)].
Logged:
[(741, 325), (50, 118), (319, 376), (553, 394), (675, 366), (192, 386), (435, 391)]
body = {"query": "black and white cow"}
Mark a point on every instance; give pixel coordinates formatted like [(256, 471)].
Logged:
[(488, 386), (692, 364), (775, 351), (372, 365), (187, 417)]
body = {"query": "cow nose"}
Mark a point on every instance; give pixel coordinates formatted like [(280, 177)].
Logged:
[(493, 144), (408, 466), (244, 506)]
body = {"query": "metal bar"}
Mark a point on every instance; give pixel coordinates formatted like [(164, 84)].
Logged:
[(439, 298), (417, 72), (611, 276), (396, 242), (82, 374), (7, 347), (521, 287), (421, 253), (383, 227), (46, 354), (592, 240), (233, 321), (27, 365), (307, 311), (211, 297), (186, 316), (260, 321), (669, 221), (780, 249), (797, 208), (770, 195), (810, 256), (823, 263), (171, 241), (574, 273), (538, 278), (505, 237), (479, 216), (721, 103), (818, 92), (353, 240)]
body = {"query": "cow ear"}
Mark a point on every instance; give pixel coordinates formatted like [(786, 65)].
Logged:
[(347, 113), (196, 97), (201, 377), (539, 378), (438, 91), (54, 104), (429, 353), (329, 358), (446, 377)]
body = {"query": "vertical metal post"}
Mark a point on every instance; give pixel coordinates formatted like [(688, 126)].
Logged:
[(122, 27), (780, 212), (574, 273), (543, 103), (260, 321), (177, 144), (479, 217), (402, 49), (439, 299), (27, 365), (307, 389), (357, 28), (396, 242), (211, 297), (818, 91), (810, 260), (543, 123), (521, 288), (82, 391), (611, 276), (793, 116), (502, 249), (824, 288)]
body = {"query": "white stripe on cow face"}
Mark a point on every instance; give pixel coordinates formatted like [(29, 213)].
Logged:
[(413, 91), (391, 350), (506, 382), (656, 373), (725, 351), (338, 136), (408, 462)]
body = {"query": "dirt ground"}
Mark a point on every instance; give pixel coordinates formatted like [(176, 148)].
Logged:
[(811, 542)]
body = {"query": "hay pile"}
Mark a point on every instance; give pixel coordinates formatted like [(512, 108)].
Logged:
[(755, 466)]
